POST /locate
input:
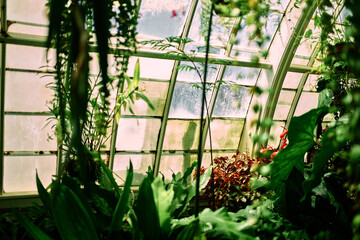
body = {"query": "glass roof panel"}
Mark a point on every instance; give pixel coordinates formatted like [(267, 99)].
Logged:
[(307, 101), (186, 101), (18, 56), (151, 68), (30, 11), (19, 97), (292, 80), (175, 163), (220, 31), (156, 92), (20, 172), (196, 75), (28, 133), (161, 19), (241, 75), (225, 134), (283, 105), (182, 135), (137, 134), (232, 101), (140, 164), (242, 36)]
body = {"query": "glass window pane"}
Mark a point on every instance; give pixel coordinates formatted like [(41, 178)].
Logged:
[(232, 101), (225, 134), (156, 92), (283, 105), (241, 75), (196, 75), (28, 29), (307, 101), (181, 135), (221, 29), (29, 133), (27, 92), (175, 163), (24, 57), (32, 11), (292, 80), (161, 19), (140, 163), (186, 101), (20, 172), (151, 68), (137, 134)]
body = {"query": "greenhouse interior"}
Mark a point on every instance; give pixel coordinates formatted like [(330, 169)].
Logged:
[(180, 119)]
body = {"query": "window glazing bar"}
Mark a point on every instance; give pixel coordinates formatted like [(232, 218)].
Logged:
[(285, 61), (170, 93), (2, 92)]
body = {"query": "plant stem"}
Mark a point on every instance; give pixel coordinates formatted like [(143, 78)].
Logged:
[(200, 150)]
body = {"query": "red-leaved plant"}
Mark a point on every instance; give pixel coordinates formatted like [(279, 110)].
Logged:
[(229, 186)]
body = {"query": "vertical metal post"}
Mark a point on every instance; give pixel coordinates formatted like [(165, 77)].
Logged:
[(2, 93), (174, 73)]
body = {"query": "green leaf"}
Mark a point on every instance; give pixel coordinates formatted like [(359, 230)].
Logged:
[(136, 74), (143, 97), (34, 231), (329, 147), (123, 204), (71, 217), (325, 98), (163, 199), (301, 139), (146, 212), (204, 179), (111, 178), (191, 231), (308, 33), (220, 221), (43, 194), (259, 183)]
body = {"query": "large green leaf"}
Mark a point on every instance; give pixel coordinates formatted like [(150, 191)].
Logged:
[(301, 139), (71, 217), (180, 188), (204, 179), (146, 212), (43, 194), (220, 221), (110, 178), (329, 147), (34, 231), (123, 205), (191, 231), (163, 199)]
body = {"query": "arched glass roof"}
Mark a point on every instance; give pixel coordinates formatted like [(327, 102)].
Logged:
[(165, 138)]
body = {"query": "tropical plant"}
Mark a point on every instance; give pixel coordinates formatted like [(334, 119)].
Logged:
[(229, 186)]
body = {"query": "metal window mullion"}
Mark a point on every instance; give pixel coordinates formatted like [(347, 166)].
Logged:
[(2, 93), (218, 81), (304, 78), (285, 62), (173, 77)]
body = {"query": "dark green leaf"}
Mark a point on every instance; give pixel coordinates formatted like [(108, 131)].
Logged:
[(111, 178), (325, 98), (43, 194), (145, 209), (71, 217), (143, 97), (123, 205), (191, 231), (308, 33), (34, 231)]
